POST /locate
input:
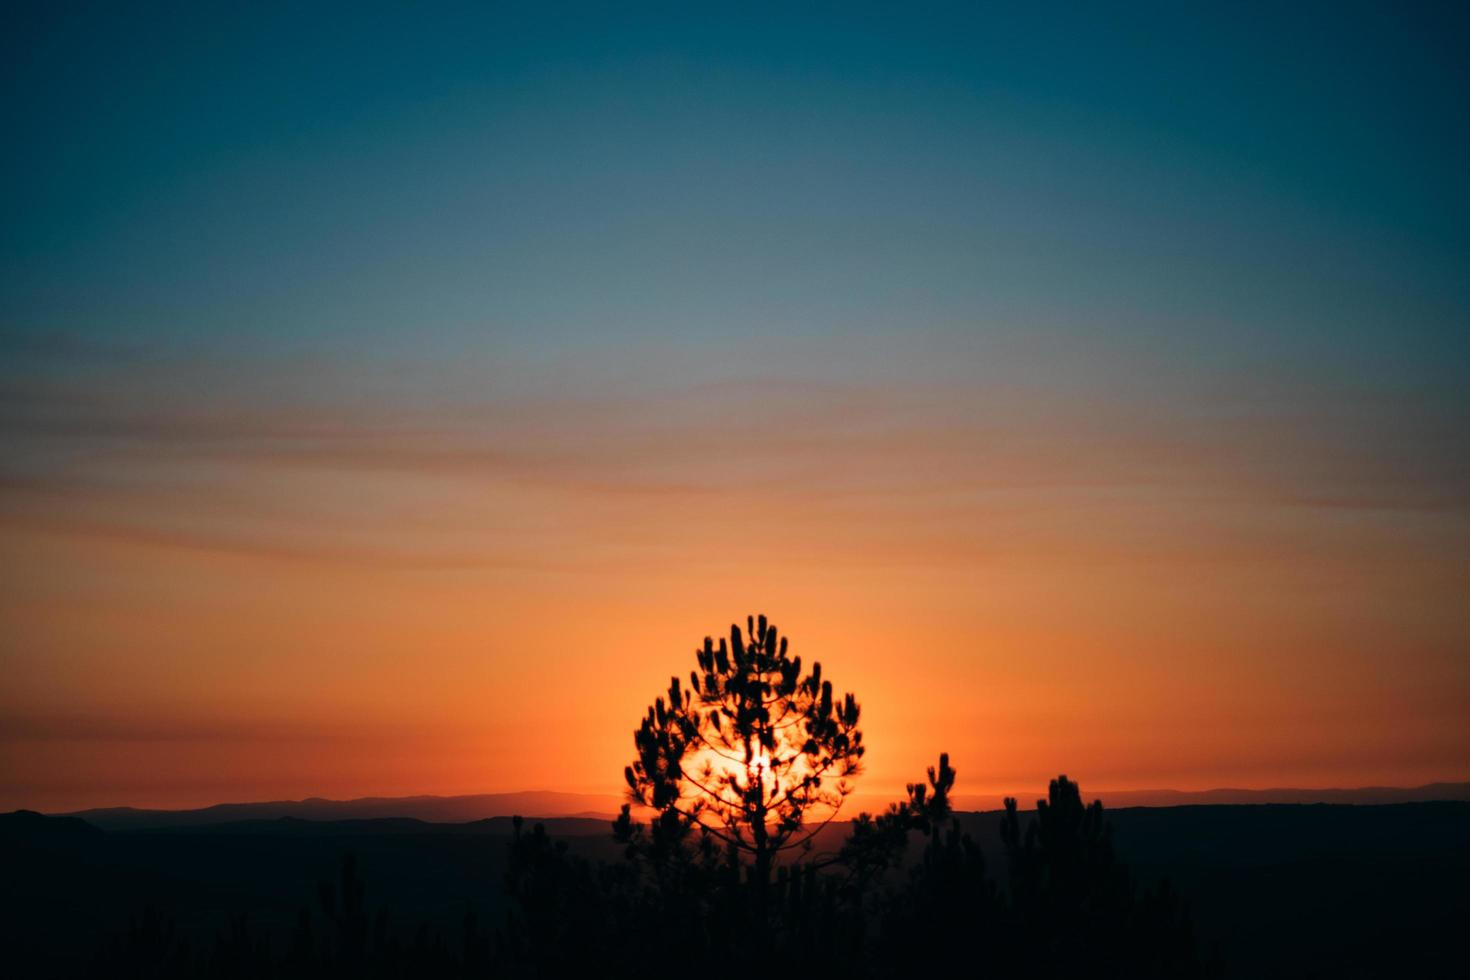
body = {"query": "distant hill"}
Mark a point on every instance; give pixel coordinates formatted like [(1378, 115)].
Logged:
[(1367, 795), (434, 809), (29, 827), (591, 808), (381, 827)]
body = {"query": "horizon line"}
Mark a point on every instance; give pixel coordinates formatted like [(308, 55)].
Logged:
[(1463, 784)]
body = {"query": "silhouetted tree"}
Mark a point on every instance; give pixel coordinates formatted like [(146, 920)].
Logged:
[(877, 843), (1073, 904), (867, 909), (751, 753)]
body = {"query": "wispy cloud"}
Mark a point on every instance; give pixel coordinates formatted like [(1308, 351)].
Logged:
[(197, 460)]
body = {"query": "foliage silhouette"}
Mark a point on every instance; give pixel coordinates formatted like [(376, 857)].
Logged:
[(679, 896), (1342, 891), (745, 769), (749, 752), (1072, 904)]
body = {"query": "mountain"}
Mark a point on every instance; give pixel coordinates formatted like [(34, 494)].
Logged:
[(433, 809), (1367, 795), (27, 827), (596, 809), (379, 827)]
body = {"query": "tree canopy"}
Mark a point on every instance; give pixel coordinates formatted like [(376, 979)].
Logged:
[(755, 752)]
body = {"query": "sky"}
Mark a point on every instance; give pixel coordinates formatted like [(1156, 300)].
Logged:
[(392, 398)]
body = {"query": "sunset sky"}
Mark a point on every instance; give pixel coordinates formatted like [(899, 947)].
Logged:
[(392, 400)]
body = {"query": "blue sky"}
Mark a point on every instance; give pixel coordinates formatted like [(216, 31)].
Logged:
[(1217, 179)]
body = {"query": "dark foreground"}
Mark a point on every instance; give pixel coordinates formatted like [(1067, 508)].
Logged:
[(1271, 891)]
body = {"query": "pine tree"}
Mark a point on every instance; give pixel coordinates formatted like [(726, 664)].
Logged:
[(755, 753)]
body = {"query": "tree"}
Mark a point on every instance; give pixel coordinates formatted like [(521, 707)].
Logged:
[(1074, 905), (754, 753)]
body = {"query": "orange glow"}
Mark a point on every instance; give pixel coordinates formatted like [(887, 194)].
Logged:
[(277, 626)]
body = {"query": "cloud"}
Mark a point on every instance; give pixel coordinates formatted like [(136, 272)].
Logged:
[(332, 463)]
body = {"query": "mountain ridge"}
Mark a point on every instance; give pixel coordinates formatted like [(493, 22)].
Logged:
[(550, 804)]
